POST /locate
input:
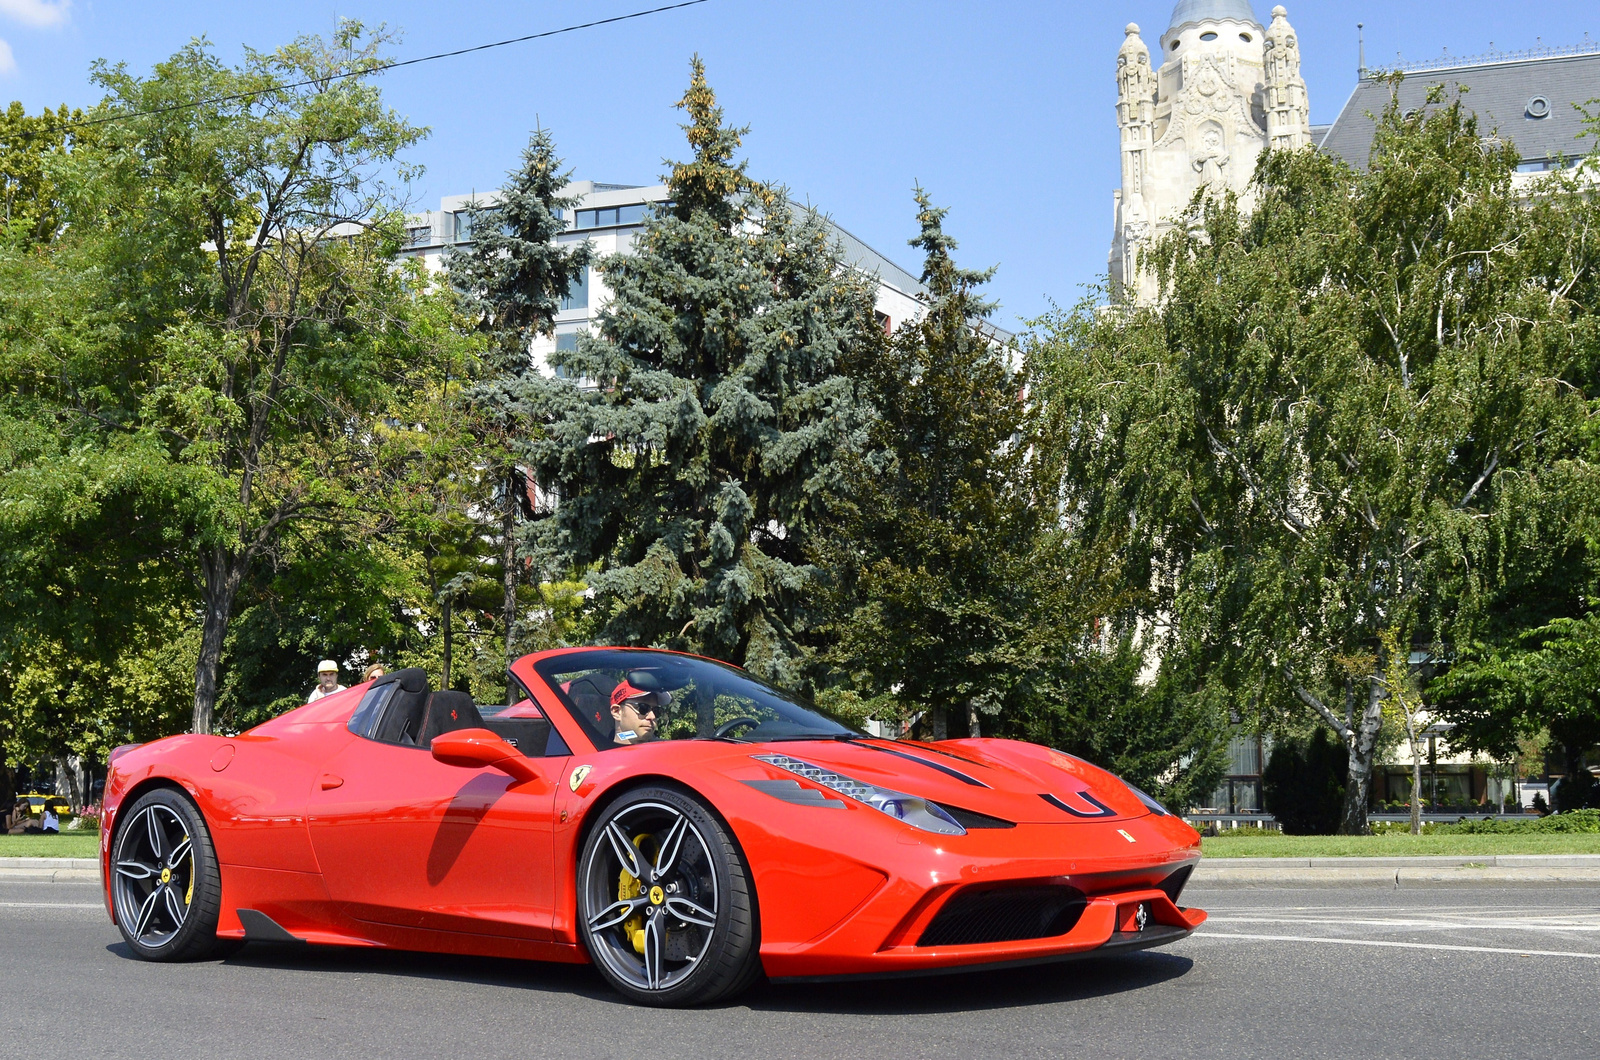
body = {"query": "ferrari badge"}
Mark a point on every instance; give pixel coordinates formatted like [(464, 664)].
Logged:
[(578, 776)]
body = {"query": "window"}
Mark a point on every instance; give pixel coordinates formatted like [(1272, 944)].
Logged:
[(1245, 37), (676, 697), (567, 342), (419, 236), (577, 296), (1208, 36), (463, 226), (631, 214), (1538, 108)]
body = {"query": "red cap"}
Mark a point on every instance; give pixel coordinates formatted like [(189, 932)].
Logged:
[(624, 692)]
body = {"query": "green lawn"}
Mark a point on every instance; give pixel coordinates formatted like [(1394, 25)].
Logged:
[(66, 845), (1274, 845)]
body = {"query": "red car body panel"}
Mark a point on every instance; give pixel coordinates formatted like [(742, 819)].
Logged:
[(347, 841)]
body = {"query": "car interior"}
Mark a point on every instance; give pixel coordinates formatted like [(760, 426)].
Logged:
[(400, 708)]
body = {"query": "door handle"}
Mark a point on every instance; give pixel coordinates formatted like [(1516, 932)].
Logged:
[(329, 781)]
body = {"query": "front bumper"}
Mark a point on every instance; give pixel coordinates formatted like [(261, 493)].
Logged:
[(1107, 925)]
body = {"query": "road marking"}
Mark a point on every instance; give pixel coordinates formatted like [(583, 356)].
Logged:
[(52, 905), (1445, 923), (1396, 945)]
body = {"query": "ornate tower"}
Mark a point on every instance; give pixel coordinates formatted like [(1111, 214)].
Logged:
[(1198, 123), (1288, 113)]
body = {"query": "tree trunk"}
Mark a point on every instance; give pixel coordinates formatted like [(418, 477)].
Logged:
[(446, 618), (223, 573), (1362, 744), (938, 727), (508, 558), (974, 730)]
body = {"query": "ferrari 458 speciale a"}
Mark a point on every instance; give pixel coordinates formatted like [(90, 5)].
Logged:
[(671, 819)]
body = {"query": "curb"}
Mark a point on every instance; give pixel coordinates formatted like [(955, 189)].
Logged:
[(50, 870), (1427, 870)]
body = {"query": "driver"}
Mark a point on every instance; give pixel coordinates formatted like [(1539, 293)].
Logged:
[(633, 711)]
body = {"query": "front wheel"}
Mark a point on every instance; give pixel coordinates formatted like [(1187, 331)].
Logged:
[(665, 901), (164, 879)]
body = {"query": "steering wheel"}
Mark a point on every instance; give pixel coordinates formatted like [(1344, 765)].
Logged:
[(728, 726)]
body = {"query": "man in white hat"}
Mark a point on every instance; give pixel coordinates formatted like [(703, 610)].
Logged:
[(327, 681)]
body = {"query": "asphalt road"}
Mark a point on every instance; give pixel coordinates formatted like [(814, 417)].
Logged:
[(1294, 972)]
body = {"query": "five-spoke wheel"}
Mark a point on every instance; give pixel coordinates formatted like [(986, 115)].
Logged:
[(665, 901), (164, 879)]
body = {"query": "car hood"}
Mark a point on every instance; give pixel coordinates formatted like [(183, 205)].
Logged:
[(1018, 782)]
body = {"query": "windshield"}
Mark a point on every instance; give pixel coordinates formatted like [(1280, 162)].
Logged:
[(622, 697)]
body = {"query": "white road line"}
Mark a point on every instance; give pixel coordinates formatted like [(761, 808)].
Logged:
[(1396, 945), (1446, 923), (52, 905)]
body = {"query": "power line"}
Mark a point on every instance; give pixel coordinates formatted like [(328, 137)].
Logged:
[(380, 68)]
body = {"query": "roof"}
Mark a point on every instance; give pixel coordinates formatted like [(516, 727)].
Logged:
[(1508, 97), (1211, 10)]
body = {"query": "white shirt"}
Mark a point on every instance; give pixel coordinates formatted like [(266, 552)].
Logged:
[(317, 693)]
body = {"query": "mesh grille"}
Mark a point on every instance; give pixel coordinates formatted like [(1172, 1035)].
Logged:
[(1007, 915)]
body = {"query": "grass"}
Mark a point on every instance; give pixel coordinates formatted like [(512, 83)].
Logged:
[(1275, 845), (66, 845)]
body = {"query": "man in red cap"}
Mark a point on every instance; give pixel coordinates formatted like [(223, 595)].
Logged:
[(633, 711)]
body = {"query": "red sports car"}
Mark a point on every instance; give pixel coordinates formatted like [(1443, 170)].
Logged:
[(682, 825)]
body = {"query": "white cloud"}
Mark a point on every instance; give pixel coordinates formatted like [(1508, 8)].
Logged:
[(8, 65), (41, 14)]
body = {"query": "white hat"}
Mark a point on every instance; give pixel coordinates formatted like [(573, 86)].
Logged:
[(327, 665)]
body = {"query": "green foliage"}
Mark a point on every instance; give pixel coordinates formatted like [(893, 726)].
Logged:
[(1335, 421), (1573, 822), (1303, 784), (222, 300), (29, 148), (694, 464)]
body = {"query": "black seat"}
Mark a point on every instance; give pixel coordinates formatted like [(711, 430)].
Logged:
[(448, 711), (397, 700)]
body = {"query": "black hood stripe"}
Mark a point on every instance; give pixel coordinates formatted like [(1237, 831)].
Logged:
[(946, 770)]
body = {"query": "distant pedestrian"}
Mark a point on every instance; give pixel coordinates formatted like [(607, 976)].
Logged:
[(375, 670), (50, 824), (327, 681)]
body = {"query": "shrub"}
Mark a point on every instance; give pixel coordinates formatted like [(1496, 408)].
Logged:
[(1303, 785)]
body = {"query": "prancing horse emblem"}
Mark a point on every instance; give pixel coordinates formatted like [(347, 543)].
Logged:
[(578, 776)]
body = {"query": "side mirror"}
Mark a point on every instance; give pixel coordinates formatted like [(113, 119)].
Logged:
[(480, 748)]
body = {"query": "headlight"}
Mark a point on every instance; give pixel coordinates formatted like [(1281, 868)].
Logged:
[(915, 811), (1151, 804)]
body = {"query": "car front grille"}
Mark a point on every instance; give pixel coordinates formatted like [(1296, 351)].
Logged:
[(1005, 915)]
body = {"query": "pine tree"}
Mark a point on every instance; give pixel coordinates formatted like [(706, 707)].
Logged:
[(514, 276), (694, 469), (941, 603)]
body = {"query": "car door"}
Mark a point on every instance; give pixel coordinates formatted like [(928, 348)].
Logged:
[(405, 840)]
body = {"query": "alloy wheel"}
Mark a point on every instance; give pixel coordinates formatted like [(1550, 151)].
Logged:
[(652, 896), (154, 875)]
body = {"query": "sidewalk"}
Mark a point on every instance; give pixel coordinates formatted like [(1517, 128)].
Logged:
[(49, 870), (1424, 871)]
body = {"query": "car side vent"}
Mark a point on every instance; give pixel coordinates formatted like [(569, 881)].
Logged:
[(970, 819), (1005, 915), (1173, 884), (793, 791)]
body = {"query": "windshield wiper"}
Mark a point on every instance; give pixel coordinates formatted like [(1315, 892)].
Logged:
[(839, 737)]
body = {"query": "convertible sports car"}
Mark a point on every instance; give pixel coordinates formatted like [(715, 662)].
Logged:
[(672, 819)]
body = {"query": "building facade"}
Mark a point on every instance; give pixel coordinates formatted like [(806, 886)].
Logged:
[(1227, 88), (610, 217)]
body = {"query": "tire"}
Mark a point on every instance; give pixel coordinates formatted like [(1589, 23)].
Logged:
[(165, 884), (674, 922)]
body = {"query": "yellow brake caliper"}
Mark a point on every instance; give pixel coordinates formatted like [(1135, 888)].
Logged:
[(630, 886)]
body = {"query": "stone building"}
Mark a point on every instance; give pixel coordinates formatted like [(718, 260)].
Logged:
[(1227, 88)]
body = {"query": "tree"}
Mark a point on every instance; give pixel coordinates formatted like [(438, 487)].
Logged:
[(29, 147), (1315, 436), (694, 462), (514, 277), (949, 590), (1546, 679), (1303, 784), (229, 244)]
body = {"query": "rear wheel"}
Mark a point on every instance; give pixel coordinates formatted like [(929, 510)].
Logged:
[(665, 901), (164, 880)]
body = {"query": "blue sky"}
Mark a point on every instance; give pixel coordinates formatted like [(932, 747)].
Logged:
[(1002, 109)]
